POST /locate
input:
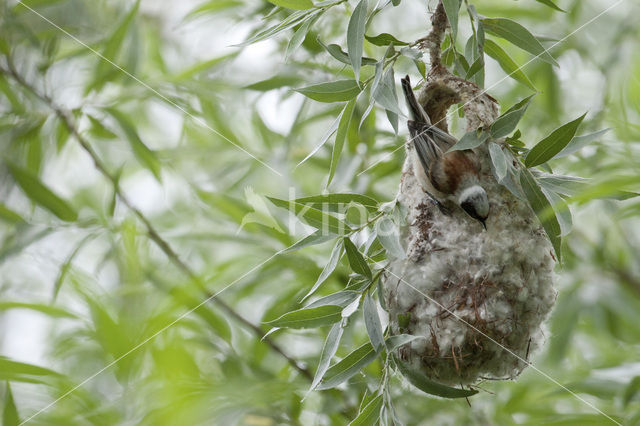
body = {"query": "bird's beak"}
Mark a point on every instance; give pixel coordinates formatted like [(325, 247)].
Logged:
[(484, 225)]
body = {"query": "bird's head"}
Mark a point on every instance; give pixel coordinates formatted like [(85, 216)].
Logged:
[(475, 202)]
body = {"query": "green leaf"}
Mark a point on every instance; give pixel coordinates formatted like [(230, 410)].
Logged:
[(49, 310), (41, 194), (579, 142), (477, 66), (506, 63), (293, 4), (356, 260), (630, 391), (432, 388), (385, 92), (369, 414), (112, 48), (9, 215), (10, 413), (565, 185), (334, 258), (470, 140), (561, 209), (394, 342), (329, 349), (341, 298), (334, 91), (299, 36), (145, 156), (348, 367), (499, 161), (541, 206), (213, 6), (336, 200), (517, 35), (507, 122), (342, 56), (451, 7), (338, 145), (355, 36), (551, 5), (14, 371), (389, 237), (309, 317), (372, 322), (385, 39), (290, 21), (310, 240), (316, 218), (544, 150), (98, 130), (275, 82)]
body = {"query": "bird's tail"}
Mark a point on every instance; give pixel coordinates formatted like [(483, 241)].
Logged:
[(415, 110)]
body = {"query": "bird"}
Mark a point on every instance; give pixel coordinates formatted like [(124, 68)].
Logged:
[(454, 174)]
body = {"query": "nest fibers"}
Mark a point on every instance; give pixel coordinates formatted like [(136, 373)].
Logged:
[(470, 293)]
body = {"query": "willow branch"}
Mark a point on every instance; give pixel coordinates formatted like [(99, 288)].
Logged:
[(153, 234)]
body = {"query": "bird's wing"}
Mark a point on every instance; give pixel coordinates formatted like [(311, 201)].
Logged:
[(428, 151)]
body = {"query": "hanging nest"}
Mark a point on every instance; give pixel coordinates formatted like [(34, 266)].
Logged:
[(478, 299)]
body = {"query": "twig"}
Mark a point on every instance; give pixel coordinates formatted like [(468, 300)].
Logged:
[(69, 123)]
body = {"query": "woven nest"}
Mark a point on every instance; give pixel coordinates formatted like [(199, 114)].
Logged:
[(477, 298)]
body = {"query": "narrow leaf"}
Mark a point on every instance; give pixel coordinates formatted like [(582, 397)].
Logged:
[(22, 372), (542, 208), (425, 385), (389, 237), (49, 310), (342, 56), (544, 150), (299, 36), (385, 93), (341, 298), (579, 142), (9, 215), (506, 63), (41, 194), (394, 342), (275, 82), (551, 5), (517, 35), (561, 209), (309, 317), (372, 322), (316, 218), (328, 351), (355, 36), (334, 91), (451, 7), (369, 414), (334, 258), (310, 240), (348, 367), (470, 140), (335, 200), (356, 260), (338, 145), (293, 4), (146, 156), (499, 160), (385, 39), (507, 122), (10, 413)]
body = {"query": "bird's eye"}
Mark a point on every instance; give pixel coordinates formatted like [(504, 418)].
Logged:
[(470, 208)]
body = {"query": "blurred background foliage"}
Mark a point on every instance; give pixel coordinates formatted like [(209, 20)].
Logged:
[(166, 120)]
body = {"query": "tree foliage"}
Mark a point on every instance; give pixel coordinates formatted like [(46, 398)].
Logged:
[(196, 206)]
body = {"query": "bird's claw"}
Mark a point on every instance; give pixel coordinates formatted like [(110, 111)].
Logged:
[(443, 209)]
